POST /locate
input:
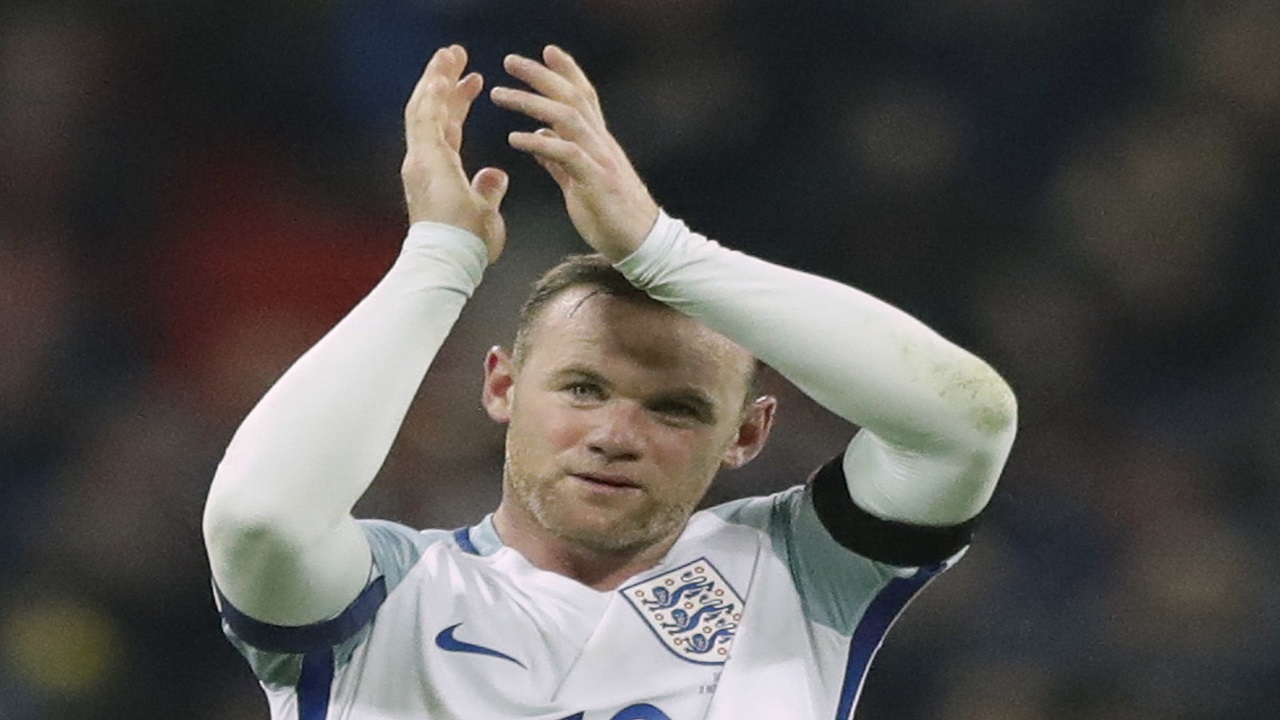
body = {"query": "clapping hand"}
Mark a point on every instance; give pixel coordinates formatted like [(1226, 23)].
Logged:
[(436, 187), (607, 202)]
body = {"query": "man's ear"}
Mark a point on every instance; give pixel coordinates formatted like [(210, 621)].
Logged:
[(499, 383), (753, 431)]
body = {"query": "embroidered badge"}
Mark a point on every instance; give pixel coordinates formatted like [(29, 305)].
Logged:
[(692, 610)]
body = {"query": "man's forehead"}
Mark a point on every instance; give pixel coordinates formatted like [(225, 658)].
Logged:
[(587, 320)]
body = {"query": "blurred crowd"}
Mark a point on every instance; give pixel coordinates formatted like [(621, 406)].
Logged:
[(1085, 193)]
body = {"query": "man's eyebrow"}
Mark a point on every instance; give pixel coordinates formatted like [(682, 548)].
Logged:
[(701, 402), (690, 395), (581, 373)]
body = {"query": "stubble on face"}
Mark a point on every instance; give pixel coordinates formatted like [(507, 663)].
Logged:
[(535, 475), (601, 529)]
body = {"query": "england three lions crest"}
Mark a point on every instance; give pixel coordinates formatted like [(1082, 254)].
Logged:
[(693, 610)]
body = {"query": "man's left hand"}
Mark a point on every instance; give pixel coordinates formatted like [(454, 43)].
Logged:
[(607, 202)]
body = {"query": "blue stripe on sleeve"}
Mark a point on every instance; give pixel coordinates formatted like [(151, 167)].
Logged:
[(314, 685), (884, 609), (307, 638)]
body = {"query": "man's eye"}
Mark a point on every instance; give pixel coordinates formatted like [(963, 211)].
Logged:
[(583, 391), (677, 410)]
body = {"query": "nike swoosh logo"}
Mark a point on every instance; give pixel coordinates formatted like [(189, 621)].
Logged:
[(446, 641)]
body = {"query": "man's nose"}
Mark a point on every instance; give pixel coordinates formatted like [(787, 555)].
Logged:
[(616, 434)]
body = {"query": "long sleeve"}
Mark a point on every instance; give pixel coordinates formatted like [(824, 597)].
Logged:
[(937, 421), (282, 544)]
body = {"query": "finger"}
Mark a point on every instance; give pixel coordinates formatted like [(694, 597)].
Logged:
[(553, 169), (426, 133), (491, 184), (432, 116), (448, 61), (566, 120), (461, 98), (564, 65), (420, 88), (464, 94), (435, 68), (455, 62), (421, 117), (575, 162), (443, 62), (548, 83)]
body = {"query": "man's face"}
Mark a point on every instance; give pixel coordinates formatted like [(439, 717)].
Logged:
[(619, 416)]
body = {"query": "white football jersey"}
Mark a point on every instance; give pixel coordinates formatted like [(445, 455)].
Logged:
[(757, 611)]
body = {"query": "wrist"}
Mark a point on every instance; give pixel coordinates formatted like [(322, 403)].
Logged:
[(655, 250), (445, 250), (632, 236)]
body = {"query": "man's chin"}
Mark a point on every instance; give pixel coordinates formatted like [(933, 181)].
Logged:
[(604, 534), (599, 525)]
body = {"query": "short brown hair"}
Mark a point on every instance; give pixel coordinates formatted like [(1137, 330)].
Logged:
[(595, 271)]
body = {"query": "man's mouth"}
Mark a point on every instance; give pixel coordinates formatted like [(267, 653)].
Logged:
[(609, 480)]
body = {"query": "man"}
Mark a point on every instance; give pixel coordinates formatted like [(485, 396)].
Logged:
[(594, 592)]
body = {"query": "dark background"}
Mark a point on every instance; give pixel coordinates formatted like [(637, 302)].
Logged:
[(1083, 192)]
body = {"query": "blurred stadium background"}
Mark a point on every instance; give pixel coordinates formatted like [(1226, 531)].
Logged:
[(1087, 193)]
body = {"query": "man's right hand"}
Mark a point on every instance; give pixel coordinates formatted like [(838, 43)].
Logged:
[(436, 188)]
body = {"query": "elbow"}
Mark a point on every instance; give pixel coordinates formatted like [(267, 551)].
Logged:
[(230, 510), (230, 526), (996, 413), (987, 434), (984, 402), (237, 521), (240, 539)]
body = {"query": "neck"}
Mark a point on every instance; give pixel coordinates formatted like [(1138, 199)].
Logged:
[(597, 568)]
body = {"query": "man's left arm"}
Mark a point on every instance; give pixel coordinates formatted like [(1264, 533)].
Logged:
[(937, 421)]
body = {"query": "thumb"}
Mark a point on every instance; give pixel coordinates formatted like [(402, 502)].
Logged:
[(491, 185)]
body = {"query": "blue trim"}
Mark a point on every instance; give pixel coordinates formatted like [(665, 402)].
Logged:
[(314, 685), (462, 536), (880, 615), (307, 638), (643, 711)]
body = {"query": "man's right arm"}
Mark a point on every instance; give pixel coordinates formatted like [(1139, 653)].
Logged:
[(282, 543)]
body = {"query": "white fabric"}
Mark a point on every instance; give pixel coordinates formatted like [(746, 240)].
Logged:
[(938, 422), (572, 652)]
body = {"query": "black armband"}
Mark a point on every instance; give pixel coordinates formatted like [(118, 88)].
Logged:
[(889, 541)]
